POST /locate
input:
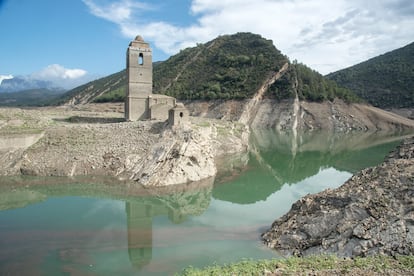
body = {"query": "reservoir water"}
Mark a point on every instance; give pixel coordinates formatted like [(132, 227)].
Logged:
[(96, 226)]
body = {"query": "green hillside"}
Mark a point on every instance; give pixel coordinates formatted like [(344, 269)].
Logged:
[(108, 89), (228, 67), (385, 81)]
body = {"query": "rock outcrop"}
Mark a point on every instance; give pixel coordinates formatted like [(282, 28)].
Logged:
[(373, 212), (180, 156)]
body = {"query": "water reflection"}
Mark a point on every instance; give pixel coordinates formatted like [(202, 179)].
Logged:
[(277, 159), (177, 207), (19, 198), (139, 220), (80, 213), (309, 152)]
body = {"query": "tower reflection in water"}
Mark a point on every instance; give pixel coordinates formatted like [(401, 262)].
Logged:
[(139, 218), (177, 206)]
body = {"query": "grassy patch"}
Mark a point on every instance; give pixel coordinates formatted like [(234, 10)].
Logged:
[(312, 264)]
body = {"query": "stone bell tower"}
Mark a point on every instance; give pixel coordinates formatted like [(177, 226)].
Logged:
[(139, 80)]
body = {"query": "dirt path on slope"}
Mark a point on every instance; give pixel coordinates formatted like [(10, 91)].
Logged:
[(251, 107)]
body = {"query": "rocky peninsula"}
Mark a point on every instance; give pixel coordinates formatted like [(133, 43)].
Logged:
[(372, 213), (95, 140)]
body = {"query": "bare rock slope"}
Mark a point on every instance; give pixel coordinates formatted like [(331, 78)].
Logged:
[(336, 116), (371, 213)]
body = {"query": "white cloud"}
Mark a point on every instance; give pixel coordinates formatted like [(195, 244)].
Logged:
[(56, 71), (326, 35), (5, 77), (116, 12), (57, 75), (61, 76)]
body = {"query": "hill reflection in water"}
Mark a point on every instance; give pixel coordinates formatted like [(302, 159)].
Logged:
[(278, 159)]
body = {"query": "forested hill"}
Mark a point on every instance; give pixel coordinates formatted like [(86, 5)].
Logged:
[(385, 81), (309, 86), (235, 67), (228, 67)]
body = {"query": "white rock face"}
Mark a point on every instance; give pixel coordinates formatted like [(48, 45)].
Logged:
[(182, 155)]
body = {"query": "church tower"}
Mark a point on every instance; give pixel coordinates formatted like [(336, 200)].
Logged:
[(139, 80)]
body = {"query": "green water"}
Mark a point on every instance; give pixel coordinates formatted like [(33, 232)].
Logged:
[(93, 226)]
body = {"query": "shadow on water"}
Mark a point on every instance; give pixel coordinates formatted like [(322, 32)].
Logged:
[(276, 159)]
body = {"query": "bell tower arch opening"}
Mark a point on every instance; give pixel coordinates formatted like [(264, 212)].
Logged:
[(141, 59)]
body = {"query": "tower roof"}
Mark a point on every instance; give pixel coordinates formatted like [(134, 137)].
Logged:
[(139, 38), (139, 42)]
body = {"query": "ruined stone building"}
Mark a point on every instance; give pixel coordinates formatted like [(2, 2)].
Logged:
[(140, 103)]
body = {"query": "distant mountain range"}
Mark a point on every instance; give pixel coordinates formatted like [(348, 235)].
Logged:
[(24, 91), (385, 81), (16, 84)]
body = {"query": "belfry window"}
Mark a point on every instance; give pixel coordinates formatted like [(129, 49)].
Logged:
[(141, 59)]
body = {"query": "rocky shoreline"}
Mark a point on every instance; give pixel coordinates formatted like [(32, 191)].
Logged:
[(372, 213)]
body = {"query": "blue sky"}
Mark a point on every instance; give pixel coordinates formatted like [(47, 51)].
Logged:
[(72, 41)]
